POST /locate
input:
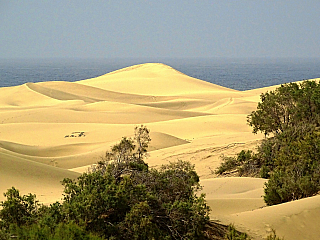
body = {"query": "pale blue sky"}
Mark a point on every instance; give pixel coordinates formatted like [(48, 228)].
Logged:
[(160, 28)]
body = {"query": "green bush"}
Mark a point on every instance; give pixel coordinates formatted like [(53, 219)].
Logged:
[(245, 163), (228, 164), (290, 158), (18, 210), (148, 203), (286, 107), (296, 171)]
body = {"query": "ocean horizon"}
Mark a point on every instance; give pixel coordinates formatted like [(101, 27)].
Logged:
[(236, 73)]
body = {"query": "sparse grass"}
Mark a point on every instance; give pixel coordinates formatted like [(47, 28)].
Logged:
[(273, 236), (233, 234)]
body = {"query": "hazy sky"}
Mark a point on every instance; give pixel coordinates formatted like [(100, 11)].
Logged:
[(159, 28)]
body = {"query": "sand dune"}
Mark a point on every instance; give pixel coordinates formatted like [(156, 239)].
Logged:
[(23, 96), (293, 220), (233, 195), (52, 130), (152, 79), (28, 176)]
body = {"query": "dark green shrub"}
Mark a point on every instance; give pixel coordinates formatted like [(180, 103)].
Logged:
[(17, 209), (153, 203), (286, 107), (291, 157), (244, 163), (228, 164), (4, 235), (285, 186), (296, 171)]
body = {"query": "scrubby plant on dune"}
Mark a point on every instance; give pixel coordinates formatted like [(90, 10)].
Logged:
[(289, 156), (118, 198), (18, 210), (122, 198)]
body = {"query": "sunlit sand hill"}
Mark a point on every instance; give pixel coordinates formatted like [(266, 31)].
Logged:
[(53, 130)]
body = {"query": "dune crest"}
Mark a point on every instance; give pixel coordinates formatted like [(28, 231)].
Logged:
[(53, 130), (149, 67), (151, 79)]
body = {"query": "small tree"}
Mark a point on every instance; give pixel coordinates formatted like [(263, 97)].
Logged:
[(142, 139), (126, 157)]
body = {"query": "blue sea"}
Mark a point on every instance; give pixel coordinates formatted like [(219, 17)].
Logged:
[(239, 74)]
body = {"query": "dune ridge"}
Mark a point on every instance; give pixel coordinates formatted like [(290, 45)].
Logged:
[(53, 130), (152, 79)]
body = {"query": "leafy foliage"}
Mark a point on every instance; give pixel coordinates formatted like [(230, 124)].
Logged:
[(296, 171), (287, 107), (290, 157), (18, 210), (142, 205)]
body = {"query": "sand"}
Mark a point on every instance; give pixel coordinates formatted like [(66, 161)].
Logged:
[(53, 130)]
